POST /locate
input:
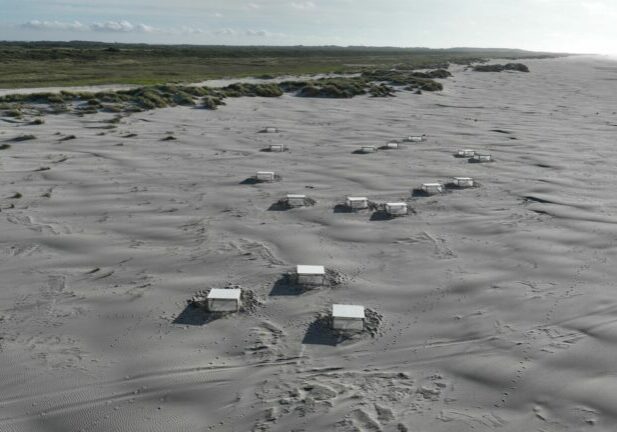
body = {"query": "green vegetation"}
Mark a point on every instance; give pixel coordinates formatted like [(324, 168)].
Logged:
[(412, 80), (15, 113), (212, 103), (24, 138), (377, 83), (378, 72), (39, 64), (252, 90), (520, 67)]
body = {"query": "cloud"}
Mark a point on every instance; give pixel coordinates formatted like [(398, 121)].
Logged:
[(54, 25), (225, 32), (121, 27), (126, 27), (106, 27), (261, 33), (186, 30), (303, 5)]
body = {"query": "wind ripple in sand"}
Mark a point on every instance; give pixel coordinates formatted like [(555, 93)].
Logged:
[(497, 302)]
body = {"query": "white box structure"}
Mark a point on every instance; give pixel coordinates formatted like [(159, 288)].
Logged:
[(348, 317), (466, 153), (416, 138), (432, 188), (356, 203), (277, 147), (393, 145), (463, 182), (482, 157), (265, 176), (310, 275), (396, 208), (368, 149), (270, 129), (224, 300), (295, 200)]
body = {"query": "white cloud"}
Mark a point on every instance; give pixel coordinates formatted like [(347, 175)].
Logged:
[(108, 26), (260, 33), (127, 27), (186, 30), (225, 32), (303, 5), (54, 25), (121, 27)]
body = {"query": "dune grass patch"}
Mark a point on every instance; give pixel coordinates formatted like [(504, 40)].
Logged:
[(378, 72)]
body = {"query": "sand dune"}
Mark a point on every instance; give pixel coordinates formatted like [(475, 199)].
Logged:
[(497, 302)]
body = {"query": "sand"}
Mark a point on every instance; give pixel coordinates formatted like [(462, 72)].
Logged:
[(498, 305)]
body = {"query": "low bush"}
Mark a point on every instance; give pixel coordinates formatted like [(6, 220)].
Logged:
[(24, 138), (212, 103)]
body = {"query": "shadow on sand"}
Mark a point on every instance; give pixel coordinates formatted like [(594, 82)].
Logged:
[(419, 193), (285, 286), (453, 187), (342, 208), (195, 316), (279, 206), (319, 332), (249, 181), (269, 150), (381, 215)]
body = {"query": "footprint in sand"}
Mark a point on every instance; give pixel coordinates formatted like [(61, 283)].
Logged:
[(265, 342)]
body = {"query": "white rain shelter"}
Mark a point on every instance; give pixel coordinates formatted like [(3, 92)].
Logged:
[(265, 176), (466, 153), (463, 182), (277, 147), (393, 145), (368, 149), (396, 208), (482, 157), (356, 203), (416, 138), (432, 188), (295, 200), (312, 275), (347, 317), (224, 300)]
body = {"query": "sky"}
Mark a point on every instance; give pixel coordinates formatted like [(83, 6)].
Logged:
[(576, 26)]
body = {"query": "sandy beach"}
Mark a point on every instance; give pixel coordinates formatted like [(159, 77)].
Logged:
[(498, 303)]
